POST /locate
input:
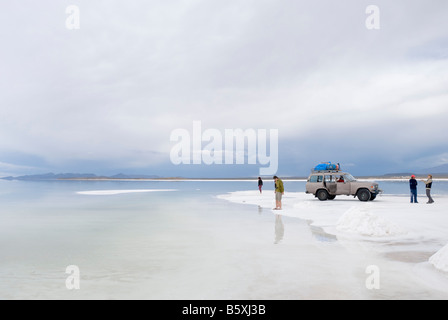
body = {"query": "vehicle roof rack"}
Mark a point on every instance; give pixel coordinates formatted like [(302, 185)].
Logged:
[(325, 171)]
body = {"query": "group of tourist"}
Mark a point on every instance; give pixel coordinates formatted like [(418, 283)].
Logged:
[(413, 183)]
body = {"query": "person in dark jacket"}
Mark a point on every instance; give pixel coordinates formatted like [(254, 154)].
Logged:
[(428, 184), (413, 185), (260, 184)]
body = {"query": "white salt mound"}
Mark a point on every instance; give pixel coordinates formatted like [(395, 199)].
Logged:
[(440, 259), (359, 220)]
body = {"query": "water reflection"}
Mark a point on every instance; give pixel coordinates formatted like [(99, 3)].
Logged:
[(321, 235), (279, 229), (317, 232)]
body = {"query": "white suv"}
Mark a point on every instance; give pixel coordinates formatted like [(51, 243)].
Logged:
[(327, 184)]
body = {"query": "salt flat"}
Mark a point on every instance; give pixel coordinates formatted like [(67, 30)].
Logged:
[(207, 241), (390, 224)]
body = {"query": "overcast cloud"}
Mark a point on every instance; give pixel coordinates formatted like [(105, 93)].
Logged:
[(105, 98)]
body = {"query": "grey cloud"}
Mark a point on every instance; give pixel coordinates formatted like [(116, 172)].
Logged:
[(137, 70)]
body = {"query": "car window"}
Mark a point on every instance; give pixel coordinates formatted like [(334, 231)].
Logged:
[(316, 179), (349, 178), (329, 178)]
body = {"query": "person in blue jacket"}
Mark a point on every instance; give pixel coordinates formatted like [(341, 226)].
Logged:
[(413, 185)]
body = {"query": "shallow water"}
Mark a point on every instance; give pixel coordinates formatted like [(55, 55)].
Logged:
[(183, 244)]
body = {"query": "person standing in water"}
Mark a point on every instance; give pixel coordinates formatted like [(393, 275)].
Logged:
[(279, 191), (260, 184), (428, 184), (413, 186)]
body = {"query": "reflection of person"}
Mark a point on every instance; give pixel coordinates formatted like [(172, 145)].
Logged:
[(279, 229), (428, 184), (279, 191), (413, 186), (260, 184)]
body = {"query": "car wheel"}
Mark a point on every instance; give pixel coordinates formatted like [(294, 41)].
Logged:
[(331, 197), (322, 195), (364, 195)]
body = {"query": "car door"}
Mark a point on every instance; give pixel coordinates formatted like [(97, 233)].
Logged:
[(330, 184), (342, 185)]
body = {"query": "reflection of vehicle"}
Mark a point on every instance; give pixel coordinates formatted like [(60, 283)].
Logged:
[(327, 184)]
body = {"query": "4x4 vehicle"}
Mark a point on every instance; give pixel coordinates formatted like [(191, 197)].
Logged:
[(327, 184)]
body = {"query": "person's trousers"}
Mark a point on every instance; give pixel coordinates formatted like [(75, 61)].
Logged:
[(413, 196), (428, 194)]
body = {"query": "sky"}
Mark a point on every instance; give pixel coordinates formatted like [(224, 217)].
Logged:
[(105, 95)]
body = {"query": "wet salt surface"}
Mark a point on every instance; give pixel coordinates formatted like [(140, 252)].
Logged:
[(115, 192), (191, 244), (390, 228)]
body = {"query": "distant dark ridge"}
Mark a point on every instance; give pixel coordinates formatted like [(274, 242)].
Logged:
[(400, 174), (418, 175), (442, 169), (133, 176), (62, 176), (51, 176)]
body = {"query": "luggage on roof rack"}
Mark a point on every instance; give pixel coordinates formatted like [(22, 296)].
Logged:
[(327, 166)]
